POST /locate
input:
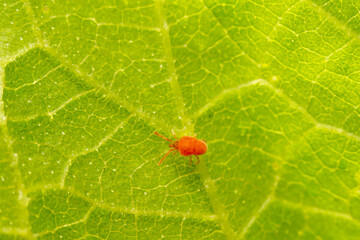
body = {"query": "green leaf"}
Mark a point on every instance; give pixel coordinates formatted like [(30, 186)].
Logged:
[(272, 86)]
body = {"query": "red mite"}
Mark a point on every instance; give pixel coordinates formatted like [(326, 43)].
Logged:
[(187, 146)]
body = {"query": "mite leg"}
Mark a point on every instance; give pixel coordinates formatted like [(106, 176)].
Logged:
[(174, 149), (198, 159), (165, 138), (173, 132), (174, 153), (190, 160)]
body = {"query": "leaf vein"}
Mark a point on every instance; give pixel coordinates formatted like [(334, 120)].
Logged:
[(333, 19), (261, 209), (22, 199), (280, 93), (218, 207), (319, 211), (101, 142), (170, 61)]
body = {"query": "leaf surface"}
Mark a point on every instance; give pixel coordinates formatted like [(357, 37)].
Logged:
[(272, 87)]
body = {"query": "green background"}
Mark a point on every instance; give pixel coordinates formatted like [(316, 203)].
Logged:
[(273, 87)]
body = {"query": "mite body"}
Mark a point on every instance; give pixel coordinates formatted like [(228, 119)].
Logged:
[(186, 146)]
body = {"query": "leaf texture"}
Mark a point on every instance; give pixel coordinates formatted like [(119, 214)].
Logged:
[(273, 87)]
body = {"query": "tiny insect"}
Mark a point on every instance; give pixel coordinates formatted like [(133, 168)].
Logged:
[(186, 146)]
